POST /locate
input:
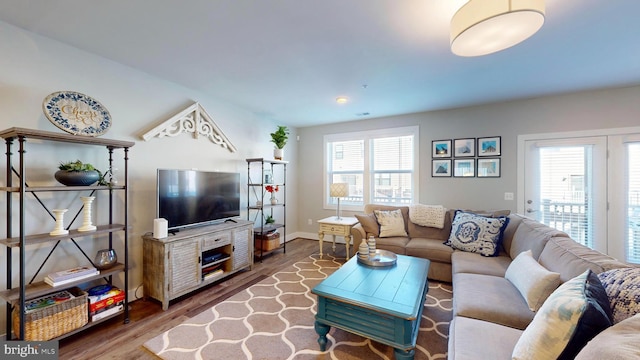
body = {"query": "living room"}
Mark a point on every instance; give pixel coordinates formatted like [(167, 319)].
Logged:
[(33, 66)]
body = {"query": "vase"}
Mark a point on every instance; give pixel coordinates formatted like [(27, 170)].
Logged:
[(86, 215), (77, 178), (105, 259), (274, 200), (278, 154)]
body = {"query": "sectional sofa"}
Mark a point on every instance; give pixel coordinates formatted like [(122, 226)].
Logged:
[(504, 304)]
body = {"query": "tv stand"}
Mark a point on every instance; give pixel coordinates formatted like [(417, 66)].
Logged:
[(194, 258)]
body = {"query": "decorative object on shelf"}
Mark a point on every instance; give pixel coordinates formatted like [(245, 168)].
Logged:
[(105, 259), (77, 173), (372, 246), (76, 113), (273, 190), (194, 119), (86, 216), (363, 250), (268, 176), (258, 202), (339, 190), (59, 228), (279, 138), (269, 220), (484, 27)]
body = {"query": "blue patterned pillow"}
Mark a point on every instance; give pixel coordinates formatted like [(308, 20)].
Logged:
[(623, 289), (571, 316), (475, 233)]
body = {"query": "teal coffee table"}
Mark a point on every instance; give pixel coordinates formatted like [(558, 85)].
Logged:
[(381, 303)]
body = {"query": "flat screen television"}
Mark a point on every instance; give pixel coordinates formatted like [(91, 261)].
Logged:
[(187, 198)]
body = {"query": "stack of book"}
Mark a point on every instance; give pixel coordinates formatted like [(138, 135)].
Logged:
[(104, 301), (71, 275)]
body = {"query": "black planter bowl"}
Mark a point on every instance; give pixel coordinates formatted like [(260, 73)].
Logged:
[(77, 178)]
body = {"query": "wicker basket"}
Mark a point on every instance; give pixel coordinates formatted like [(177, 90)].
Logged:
[(55, 320), (270, 241)]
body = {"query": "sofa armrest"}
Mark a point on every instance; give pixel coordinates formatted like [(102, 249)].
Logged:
[(357, 234)]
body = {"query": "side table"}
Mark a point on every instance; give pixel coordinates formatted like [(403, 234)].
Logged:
[(336, 226)]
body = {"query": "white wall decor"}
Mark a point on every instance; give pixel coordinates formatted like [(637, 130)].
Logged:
[(194, 119)]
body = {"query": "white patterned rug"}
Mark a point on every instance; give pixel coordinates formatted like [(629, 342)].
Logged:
[(274, 319)]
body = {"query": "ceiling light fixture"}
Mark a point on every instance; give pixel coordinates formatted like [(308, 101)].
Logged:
[(342, 99), (483, 27)]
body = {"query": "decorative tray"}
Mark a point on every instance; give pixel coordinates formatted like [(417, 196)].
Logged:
[(382, 258), (76, 113)]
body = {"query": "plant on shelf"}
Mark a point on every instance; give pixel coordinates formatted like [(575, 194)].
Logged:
[(77, 173), (269, 220), (279, 138), (272, 190)]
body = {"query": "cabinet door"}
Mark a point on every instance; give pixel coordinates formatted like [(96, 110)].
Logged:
[(241, 249), (184, 266)]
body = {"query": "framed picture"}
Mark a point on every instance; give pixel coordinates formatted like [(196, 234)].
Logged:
[(441, 168), (489, 146), (464, 147), (489, 167), (441, 149), (464, 168)]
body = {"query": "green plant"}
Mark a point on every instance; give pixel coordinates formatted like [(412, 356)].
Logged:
[(80, 166), (269, 220), (280, 136)]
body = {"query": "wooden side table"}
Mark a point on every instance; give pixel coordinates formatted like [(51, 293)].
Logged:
[(336, 226)]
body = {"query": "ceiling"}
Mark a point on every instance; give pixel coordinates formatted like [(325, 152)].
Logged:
[(288, 60)]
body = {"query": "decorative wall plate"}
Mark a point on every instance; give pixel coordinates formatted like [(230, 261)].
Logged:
[(76, 113)]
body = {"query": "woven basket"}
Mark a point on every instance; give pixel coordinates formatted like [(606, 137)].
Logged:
[(55, 320)]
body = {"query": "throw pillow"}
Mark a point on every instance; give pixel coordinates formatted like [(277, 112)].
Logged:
[(427, 215), (391, 223), (572, 315), (623, 289), (533, 281), (476, 233), (369, 223)]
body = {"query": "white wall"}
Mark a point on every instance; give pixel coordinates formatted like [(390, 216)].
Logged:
[(31, 67), (610, 108)]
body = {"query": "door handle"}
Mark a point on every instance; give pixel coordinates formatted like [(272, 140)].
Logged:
[(530, 210)]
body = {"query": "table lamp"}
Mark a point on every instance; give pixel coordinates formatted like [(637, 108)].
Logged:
[(338, 190)]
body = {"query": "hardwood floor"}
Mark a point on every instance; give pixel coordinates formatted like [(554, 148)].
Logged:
[(115, 340)]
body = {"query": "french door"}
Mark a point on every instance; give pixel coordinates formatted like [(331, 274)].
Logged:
[(587, 186)]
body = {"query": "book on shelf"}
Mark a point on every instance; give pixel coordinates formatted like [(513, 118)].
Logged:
[(108, 312), (212, 274), (73, 273), (70, 280)]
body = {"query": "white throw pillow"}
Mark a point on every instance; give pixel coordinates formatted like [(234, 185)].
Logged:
[(391, 223), (533, 281), (427, 215)]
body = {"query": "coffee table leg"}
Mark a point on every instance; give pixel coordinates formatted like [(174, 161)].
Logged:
[(404, 355), (322, 330)]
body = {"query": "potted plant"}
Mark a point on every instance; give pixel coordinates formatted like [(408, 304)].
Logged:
[(269, 220), (279, 138), (77, 173)]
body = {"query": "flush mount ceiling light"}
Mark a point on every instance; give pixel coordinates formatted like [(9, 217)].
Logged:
[(483, 27), (342, 99)]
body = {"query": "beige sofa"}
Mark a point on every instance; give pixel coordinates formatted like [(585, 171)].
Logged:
[(489, 312)]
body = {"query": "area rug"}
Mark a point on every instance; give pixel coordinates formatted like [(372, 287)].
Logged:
[(274, 319)]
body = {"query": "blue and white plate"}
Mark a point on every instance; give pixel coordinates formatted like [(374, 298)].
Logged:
[(76, 113)]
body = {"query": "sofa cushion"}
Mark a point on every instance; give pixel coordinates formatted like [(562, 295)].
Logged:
[(466, 262), (623, 290), (395, 244), (620, 342), (369, 224), (431, 249), (569, 258), (427, 215), (472, 339), (576, 312), (534, 282), (531, 235), (490, 298), (475, 233), (391, 223)]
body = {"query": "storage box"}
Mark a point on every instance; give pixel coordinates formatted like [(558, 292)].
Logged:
[(59, 318), (267, 242), (95, 307)]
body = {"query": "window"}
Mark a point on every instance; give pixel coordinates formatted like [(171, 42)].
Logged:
[(379, 166)]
